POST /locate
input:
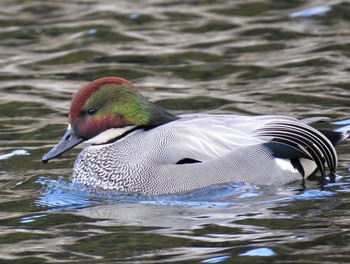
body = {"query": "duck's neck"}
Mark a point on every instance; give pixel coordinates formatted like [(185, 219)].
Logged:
[(159, 115)]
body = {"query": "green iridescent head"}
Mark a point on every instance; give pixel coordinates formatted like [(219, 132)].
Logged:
[(106, 109)]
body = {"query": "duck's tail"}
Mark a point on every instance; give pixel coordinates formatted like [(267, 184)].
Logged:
[(335, 136)]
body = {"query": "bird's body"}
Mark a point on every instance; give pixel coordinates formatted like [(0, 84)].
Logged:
[(151, 151)]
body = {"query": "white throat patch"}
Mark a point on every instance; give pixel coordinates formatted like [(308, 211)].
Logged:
[(109, 134)]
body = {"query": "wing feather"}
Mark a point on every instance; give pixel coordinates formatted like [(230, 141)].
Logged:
[(304, 137)]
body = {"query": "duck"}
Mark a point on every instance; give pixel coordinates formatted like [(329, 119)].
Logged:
[(136, 146)]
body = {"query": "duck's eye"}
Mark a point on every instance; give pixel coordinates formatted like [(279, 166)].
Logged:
[(91, 111)]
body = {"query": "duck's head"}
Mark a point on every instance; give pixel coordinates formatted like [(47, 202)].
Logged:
[(105, 110)]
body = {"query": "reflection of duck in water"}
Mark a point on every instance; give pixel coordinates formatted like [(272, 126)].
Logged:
[(137, 146)]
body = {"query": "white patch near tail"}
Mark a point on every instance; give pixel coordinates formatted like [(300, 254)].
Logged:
[(286, 165), (309, 166)]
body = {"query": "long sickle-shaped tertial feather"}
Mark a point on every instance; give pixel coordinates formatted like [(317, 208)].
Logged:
[(305, 138)]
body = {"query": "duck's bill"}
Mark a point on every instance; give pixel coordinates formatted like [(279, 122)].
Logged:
[(68, 141)]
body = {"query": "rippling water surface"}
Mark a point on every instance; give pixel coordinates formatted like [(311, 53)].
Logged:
[(249, 57)]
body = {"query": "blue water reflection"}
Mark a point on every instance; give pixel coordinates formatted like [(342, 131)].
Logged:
[(215, 259), (31, 218), (16, 152), (65, 194), (259, 252), (345, 125), (321, 10)]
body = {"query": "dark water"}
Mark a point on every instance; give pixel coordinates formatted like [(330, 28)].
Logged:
[(286, 57)]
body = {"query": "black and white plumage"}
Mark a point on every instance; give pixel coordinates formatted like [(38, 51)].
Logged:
[(138, 146), (220, 149)]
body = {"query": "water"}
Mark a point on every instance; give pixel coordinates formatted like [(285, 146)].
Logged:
[(248, 57)]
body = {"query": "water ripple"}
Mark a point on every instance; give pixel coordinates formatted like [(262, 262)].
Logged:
[(246, 57)]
